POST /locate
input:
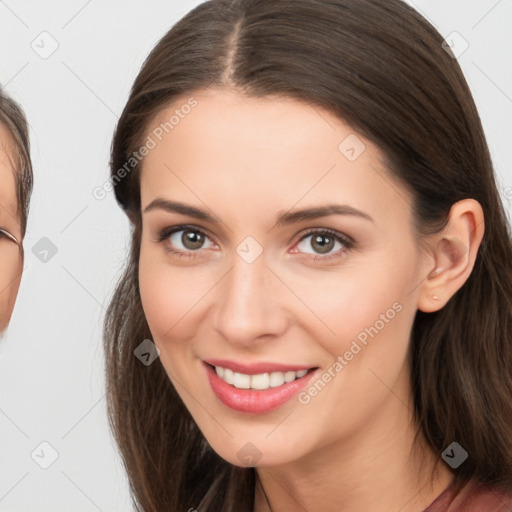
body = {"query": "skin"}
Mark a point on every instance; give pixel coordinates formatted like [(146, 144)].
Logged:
[(11, 260), (245, 161)]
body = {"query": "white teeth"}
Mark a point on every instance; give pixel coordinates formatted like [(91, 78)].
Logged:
[(289, 376), (260, 381), (242, 381), (276, 379), (229, 376)]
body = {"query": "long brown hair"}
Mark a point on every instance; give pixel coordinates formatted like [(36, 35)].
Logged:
[(381, 68), (14, 120)]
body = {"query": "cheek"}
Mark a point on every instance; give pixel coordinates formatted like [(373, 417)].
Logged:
[(370, 313), (170, 297), (367, 300), (161, 295), (363, 360)]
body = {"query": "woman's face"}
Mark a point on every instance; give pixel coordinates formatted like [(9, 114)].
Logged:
[(11, 262), (252, 276)]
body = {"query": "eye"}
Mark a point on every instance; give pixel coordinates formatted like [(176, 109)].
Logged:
[(183, 240), (320, 244), (324, 242), (5, 234)]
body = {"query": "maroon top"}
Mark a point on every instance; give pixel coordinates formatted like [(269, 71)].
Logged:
[(473, 497)]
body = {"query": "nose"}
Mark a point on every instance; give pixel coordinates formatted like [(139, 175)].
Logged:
[(249, 305)]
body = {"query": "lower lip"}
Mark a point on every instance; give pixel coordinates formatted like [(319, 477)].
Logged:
[(254, 400)]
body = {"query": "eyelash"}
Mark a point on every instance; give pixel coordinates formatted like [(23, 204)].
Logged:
[(346, 241)]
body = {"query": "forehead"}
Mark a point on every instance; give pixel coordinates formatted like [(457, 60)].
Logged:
[(7, 181), (270, 150), (273, 123)]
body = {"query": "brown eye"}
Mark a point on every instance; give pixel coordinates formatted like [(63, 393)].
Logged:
[(192, 240), (324, 242), (188, 239)]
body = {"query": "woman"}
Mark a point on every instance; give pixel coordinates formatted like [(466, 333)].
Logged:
[(323, 263), (15, 191)]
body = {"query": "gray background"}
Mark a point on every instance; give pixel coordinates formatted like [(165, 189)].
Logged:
[(51, 367)]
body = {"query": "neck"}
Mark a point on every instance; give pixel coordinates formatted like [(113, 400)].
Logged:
[(374, 468)]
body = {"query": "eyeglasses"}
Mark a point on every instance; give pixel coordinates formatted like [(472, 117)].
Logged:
[(9, 235)]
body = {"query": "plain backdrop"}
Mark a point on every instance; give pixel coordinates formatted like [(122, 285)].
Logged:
[(70, 65)]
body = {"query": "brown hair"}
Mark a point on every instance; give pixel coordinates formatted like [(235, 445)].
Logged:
[(381, 68), (13, 119)]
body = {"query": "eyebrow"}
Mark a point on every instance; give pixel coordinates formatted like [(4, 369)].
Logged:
[(286, 218)]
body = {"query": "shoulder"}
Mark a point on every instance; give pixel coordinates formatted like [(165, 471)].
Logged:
[(473, 497)]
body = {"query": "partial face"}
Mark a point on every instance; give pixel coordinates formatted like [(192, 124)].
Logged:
[(11, 259), (275, 245)]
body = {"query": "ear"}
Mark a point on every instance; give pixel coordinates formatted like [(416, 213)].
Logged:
[(453, 252)]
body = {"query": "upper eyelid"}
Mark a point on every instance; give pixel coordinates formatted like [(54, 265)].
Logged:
[(171, 230)]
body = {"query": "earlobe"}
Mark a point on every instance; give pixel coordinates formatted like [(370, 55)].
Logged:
[(454, 254)]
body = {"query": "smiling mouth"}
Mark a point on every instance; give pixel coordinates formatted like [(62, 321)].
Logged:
[(260, 381)]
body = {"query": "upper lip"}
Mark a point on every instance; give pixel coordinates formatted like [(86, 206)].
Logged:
[(257, 368)]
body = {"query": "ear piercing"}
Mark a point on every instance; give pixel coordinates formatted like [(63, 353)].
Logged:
[(435, 297)]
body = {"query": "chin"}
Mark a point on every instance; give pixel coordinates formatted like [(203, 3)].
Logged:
[(257, 453)]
